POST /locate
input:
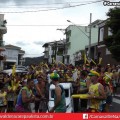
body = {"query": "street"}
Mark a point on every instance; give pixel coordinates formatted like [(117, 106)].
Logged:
[(115, 107)]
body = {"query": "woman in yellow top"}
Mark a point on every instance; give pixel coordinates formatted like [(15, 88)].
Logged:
[(3, 100)]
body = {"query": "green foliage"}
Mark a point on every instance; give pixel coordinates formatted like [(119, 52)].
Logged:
[(113, 42), (34, 60)]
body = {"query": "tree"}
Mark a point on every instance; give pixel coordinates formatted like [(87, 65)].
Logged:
[(113, 41)]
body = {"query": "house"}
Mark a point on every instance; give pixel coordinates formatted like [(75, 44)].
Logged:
[(77, 41), (3, 30), (14, 55), (54, 51), (102, 50)]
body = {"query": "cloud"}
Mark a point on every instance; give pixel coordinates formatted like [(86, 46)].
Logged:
[(23, 2), (39, 42), (29, 29), (21, 43)]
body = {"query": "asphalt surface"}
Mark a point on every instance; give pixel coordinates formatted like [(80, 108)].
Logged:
[(115, 106)]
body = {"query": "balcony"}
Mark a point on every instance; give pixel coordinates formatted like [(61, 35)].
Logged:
[(2, 57), (2, 43), (3, 28), (60, 53), (68, 33), (46, 49), (22, 60), (46, 56)]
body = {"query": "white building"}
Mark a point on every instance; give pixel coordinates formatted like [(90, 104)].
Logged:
[(54, 51), (14, 55), (77, 40)]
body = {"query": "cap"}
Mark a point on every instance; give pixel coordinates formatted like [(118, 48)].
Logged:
[(54, 76), (93, 73)]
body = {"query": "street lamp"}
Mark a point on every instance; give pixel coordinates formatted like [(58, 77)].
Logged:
[(88, 36)]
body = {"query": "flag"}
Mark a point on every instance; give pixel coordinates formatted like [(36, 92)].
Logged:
[(54, 60), (93, 61), (33, 67), (100, 60), (88, 61), (61, 63), (85, 59), (46, 65), (13, 70)]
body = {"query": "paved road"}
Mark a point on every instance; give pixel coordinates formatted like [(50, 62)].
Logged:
[(116, 102)]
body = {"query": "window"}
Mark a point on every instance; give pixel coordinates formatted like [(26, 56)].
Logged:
[(66, 93), (107, 52), (109, 32), (101, 34)]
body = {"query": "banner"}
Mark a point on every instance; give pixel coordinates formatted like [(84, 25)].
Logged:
[(60, 116)]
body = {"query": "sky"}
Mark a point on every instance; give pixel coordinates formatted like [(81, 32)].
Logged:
[(32, 23)]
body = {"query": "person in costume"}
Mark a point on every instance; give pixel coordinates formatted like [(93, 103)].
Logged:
[(25, 97), (96, 92), (83, 89), (59, 96)]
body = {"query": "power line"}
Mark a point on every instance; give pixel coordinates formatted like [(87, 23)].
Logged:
[(33, 54), (37, 25), (56, 8), (22, 5), (41, 25)]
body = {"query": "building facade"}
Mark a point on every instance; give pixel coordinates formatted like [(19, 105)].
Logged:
[(77, 39), (3, 30), (103, 52), (14, 55), (54, 51)]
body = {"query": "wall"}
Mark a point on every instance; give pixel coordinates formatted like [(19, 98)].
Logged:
[(79, 40), (104, 53), (11, 55), (107, 58)]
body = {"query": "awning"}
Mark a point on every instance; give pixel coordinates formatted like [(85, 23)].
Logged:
[(9, 60)]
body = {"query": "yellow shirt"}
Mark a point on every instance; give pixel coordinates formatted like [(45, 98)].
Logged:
[(3, 100), (93, 90)]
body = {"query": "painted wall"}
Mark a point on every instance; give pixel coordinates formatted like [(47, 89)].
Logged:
[(78, 40)]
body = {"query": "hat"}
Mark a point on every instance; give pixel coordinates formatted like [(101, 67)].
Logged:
[(54, 76), (93, 73)]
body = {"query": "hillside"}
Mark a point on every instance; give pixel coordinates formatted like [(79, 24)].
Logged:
[(34, 60)]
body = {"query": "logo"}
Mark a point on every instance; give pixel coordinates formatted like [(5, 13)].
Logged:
[(108, 3), (85, 116)]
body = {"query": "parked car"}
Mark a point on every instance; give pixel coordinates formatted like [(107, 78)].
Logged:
[(21, 68), (68, 93), (9, 71)]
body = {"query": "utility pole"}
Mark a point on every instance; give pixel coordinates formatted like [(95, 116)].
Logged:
[(89, 51)]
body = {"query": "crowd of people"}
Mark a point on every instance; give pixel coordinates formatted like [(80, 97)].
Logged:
[(18, 91)]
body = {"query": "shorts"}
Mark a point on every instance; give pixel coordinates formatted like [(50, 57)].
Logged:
[(109, 99)]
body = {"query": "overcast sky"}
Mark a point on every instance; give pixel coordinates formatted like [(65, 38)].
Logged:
[(31, 23)]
